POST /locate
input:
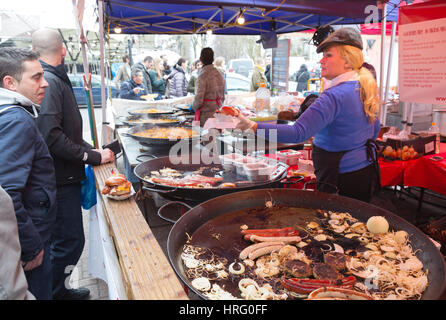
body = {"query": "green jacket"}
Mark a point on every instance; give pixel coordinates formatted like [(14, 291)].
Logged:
[(158, 86), (192, 84), (257, 77)]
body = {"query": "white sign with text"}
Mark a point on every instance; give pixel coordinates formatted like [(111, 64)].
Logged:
[(422, 62)]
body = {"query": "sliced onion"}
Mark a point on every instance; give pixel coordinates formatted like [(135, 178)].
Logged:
[(231, 268), (338, 248)]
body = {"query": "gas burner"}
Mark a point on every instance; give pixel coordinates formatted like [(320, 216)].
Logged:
[(154, 146)]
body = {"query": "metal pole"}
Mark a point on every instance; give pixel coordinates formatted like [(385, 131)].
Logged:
[(87, 76), (381, 75), (102, 65), (389, 69)]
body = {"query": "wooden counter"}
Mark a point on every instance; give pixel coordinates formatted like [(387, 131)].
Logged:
[(146, 271)]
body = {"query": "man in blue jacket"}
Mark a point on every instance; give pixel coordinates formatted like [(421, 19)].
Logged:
[(134, 88), (27, 169)]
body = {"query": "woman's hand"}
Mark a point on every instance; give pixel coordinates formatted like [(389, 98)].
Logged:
[(245, 124)]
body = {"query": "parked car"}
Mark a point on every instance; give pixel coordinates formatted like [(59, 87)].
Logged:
[(77, 83), (241, 66), (237, 83)]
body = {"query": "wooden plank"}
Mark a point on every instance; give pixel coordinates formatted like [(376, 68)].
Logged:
[(146, 270)]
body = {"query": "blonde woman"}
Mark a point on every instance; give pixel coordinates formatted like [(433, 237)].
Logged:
[(343, 120), (157, 79), (219, 64)]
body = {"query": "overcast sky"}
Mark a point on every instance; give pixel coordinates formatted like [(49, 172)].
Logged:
[(52, 13)]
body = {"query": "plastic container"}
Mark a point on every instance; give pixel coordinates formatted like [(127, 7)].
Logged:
[(434, 129), (262, 103), (239, 164), (258, 171), (306, 165), (227, 160), (290, 157)]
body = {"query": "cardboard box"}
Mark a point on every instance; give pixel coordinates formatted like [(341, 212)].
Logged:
[(422, 143)]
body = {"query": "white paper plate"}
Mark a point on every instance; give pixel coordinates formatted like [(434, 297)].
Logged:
[(123, 197)]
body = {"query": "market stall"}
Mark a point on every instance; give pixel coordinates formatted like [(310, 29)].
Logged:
[(146, 272)]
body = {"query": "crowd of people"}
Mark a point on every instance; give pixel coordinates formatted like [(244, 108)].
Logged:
[(153, 76), (43, 163), (181, 79)]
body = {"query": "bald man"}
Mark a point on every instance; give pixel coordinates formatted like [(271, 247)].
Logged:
[(60, 124)]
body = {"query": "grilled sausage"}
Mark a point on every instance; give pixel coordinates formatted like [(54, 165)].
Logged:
[(262, 251), (255, 238), (338, 293), (245, 252)]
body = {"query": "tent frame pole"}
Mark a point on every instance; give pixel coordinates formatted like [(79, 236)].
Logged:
[(381, 75), (102, 66), (389, 68)]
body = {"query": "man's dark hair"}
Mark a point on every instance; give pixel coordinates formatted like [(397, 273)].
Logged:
[(125, 57), (207, 56), (11, 62), (148, 59)]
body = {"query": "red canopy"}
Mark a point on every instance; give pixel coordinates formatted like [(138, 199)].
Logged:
[(375, 28)]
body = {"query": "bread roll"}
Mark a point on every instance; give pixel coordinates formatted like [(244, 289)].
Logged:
[(115, 180), (121, 189)]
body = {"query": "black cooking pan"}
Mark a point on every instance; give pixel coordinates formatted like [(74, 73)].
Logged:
[(207, 212), (156, 141), (162, 111), (147, 121), (201, 194)]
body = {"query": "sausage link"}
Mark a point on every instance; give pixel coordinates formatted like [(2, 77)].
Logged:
[(281, 230), (245, 252), (262, 251), (255, 238)]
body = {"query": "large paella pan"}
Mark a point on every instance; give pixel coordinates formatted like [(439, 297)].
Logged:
[(212, 231)]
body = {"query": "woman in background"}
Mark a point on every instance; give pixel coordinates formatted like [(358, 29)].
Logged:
[(177, 79), (211, 88), (157, 79), (192, 85)]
